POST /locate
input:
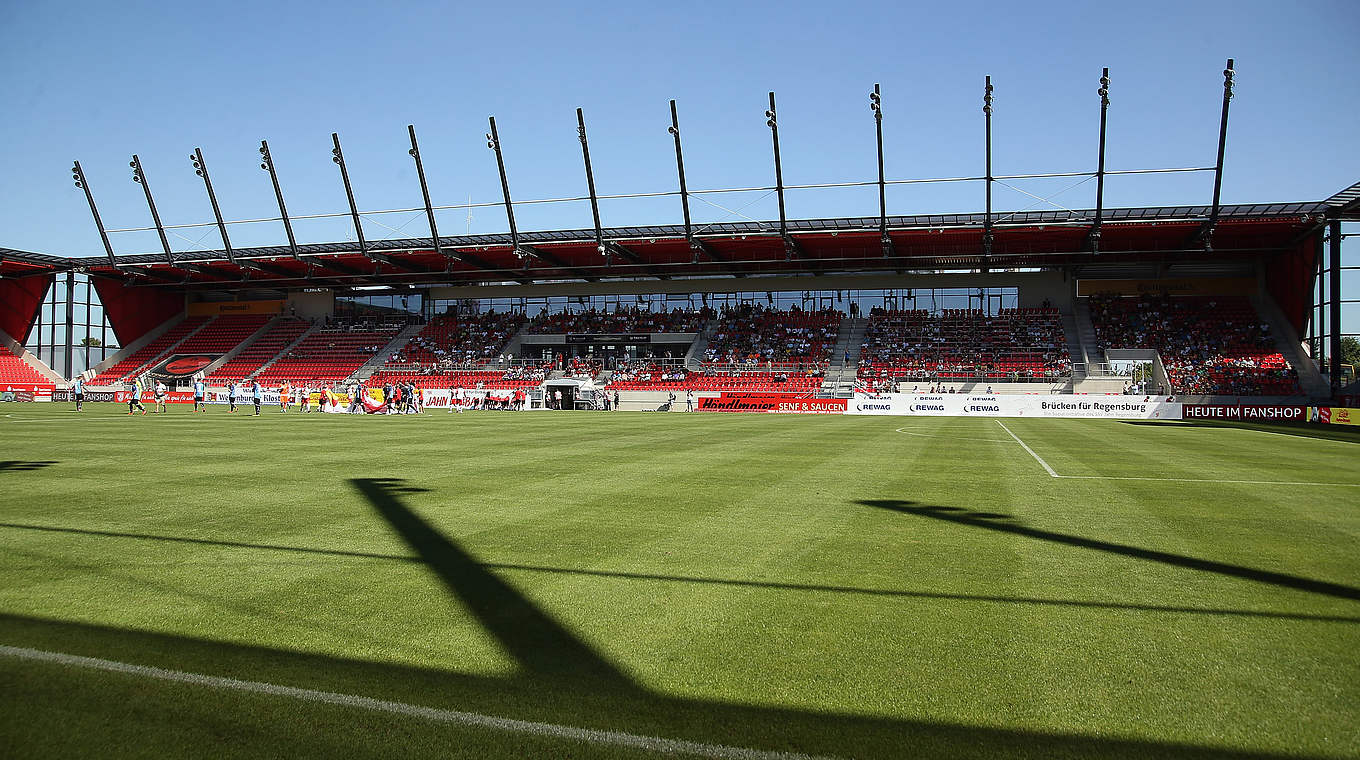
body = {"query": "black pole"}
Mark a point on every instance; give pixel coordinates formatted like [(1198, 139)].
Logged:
[(493, 141), (78, 176), (70, 321), (1104, 92), (267, 163), (987, 218), (876, 105), (684, 192), (772, 121), (425, 190), (338, 157), (590, 184), (201, 169), (1222, 144), (1320, 253), (139, 177), (1334, 305)]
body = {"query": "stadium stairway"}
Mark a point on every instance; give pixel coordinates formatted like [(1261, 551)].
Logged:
[(30, 359), (165, 352), (840, 374), (376, 361), (516, 342), (283, 351), (694, 357), (1084, 333), (131, 348), (243, 345), (1287, 342)]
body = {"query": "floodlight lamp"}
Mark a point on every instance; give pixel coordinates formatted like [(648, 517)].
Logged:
[(769, 123), (335, 159), (335, 152), (264, 151), (769, 114), (133, 164), (137, 178), (199, 172), (264, 166), (412, 152), (673, 130), (82, 187)]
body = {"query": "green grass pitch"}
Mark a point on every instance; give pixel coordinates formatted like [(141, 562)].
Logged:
[(830, 586)]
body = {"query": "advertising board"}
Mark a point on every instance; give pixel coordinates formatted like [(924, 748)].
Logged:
[(962, 405)]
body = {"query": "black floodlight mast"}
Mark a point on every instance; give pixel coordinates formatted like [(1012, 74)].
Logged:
[(139, 177), (267, 163), (772, 121), (1208, 232), (338, 157), (987, 216), (425, 192), (201, 169), (493, 141), (876, 105), (1104, 92), (78, 176), (590, 185), (694, 245)]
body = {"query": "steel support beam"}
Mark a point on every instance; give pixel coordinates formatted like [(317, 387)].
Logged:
[(70, 322), (1334, 304), (139, 177), (267, 163), (78, 176), (338, 156)]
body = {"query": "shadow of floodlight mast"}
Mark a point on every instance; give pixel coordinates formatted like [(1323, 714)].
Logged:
[(537, 642), (994, 522)]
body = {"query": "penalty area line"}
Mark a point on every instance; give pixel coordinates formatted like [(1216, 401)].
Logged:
[(1051, 472), (1026, 447), (656, 744)]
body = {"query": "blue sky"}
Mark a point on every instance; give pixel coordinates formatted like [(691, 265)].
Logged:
[(101, 81)]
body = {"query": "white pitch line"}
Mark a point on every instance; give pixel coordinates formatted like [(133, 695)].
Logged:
[(1026, 447), (656, 744), (1050, 470), (904, 431)]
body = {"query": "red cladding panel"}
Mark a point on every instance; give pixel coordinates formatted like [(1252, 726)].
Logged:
[(19, 302), (135, 311)]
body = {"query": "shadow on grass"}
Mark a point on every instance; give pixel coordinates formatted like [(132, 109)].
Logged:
[(562, 679), (1342, 433), (733, 582), (13, 466), (995, 522)]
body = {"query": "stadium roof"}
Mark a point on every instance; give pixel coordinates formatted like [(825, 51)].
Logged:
[(1044, 239)]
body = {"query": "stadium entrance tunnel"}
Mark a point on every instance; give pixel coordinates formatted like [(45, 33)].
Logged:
[(998, 522)]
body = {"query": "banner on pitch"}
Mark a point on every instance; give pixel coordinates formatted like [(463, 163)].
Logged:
[(1067, 405)]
